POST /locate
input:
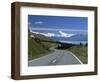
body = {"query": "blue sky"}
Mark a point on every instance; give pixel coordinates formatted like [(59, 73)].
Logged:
[(57, 22)]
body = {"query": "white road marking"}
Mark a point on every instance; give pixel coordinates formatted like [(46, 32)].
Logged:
[(76, 57)]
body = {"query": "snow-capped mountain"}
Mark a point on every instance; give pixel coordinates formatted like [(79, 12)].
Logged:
[(64, 36), (60, 34)]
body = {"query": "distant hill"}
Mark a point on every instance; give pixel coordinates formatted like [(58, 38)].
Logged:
[(63, 36), (77, 37), (41, 37)]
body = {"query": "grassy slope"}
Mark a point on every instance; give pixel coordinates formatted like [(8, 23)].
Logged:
[(49, 45), (36, 49), (80, 52)]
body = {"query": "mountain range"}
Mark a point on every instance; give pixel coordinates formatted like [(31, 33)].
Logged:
[(64, 36)]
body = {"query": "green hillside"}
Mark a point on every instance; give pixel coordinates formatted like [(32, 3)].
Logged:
[(80, 52), (36, 48)]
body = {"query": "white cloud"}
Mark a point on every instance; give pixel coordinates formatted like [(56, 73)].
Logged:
[(63, 34), (29, 23), (48, 34), (35, 32), (29, 26), (39, 22), (45, 34), (57, 29)]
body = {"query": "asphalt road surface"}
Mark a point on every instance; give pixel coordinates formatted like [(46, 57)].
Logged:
[(58, 57)]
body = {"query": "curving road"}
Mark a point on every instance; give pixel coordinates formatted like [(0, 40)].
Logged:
[(58, 57)]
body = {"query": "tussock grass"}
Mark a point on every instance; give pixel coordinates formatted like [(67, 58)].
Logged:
[(80, 52)]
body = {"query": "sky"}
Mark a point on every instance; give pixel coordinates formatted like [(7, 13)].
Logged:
[(38, 22)]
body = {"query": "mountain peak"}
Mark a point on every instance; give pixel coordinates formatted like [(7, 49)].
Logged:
[(63, 34), (59, 34)]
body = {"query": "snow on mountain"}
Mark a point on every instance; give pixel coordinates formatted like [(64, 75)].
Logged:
[(36, 32), (45, 34), (48, 34), (61, 34)]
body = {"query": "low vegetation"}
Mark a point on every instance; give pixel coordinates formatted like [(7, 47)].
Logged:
[(49, 45), (36, 48), (80, 52), (39, 45)]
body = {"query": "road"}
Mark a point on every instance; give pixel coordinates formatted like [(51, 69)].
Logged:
[(58, 57)]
